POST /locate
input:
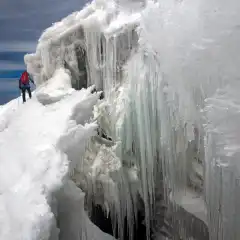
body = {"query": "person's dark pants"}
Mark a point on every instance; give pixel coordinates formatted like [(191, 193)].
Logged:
[(24, 93)]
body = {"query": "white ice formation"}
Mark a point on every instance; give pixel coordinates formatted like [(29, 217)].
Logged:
[(168, 126)]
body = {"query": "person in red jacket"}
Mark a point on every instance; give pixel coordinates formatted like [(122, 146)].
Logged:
[(24, 85)]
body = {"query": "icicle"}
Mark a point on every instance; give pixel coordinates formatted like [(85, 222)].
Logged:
[(140, 137)]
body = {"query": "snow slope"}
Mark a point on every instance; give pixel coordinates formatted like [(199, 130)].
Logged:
[(35, 141)]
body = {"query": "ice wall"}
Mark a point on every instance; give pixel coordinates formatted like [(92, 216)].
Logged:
[(196, 45), (100, 37), (222, 166), (159, 63)]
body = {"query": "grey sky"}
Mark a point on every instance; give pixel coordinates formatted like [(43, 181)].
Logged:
[(24, 20), (21, 24)]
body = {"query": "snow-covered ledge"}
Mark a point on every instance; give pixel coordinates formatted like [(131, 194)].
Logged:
[(36, 197)]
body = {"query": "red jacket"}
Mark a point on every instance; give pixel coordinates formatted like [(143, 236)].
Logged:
[(24, 80)]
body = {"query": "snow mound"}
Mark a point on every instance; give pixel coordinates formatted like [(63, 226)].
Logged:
[(51, 92)]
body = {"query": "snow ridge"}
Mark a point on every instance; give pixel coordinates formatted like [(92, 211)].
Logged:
[(38, 149)]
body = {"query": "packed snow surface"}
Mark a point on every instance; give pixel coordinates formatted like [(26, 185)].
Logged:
[(34, 143)]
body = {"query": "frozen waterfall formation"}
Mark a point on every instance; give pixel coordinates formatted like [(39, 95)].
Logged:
[(167, 139)]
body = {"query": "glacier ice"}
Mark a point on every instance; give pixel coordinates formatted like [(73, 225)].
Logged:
[(167, 126)]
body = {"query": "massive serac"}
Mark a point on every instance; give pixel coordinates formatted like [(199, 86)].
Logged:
[(139, 106)]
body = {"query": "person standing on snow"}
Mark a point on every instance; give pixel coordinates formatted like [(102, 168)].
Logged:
[(24, 85)]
